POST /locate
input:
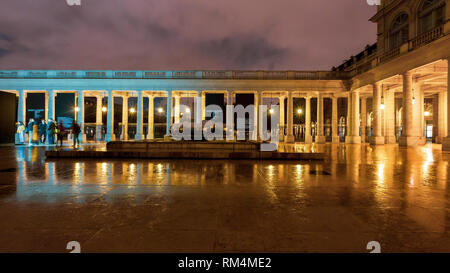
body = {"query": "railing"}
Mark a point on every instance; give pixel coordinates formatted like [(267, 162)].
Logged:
[(194, 74), (426, 37), (390, 54)]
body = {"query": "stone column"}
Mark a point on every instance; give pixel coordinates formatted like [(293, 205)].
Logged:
[(446, 141), (140, 117), (354, 138), (334, 120), (260, 116), (169, 113), (256, 97), (151, 117), (124, 135), (51, 104), (99, 118), (421, 110), (282, 118), (377, 138), (290, 119), (363, 119), (203, 105), (349, 120), (177, 108), (320, 139), (230, 116), (308, 136), (410, 135), (80, 116), (198, 108), (389, 117), (21, 109), (110, 123), (442, 118)]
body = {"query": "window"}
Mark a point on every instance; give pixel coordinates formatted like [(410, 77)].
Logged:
[(431, 14), (399, 31)]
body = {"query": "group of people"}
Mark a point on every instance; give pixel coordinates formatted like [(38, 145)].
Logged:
[(40, 133)]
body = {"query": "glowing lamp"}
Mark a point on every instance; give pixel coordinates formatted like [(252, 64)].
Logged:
[(132, 110), (104, 109), (160, 110)]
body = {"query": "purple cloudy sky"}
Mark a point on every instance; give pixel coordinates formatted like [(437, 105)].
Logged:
[(183, 34)]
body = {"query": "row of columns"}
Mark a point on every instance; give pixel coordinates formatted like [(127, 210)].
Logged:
[(412, 114)]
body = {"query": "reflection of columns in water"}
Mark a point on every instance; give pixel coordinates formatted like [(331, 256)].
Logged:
[(230, 117), (168, 173), (50, 172), (110, 173), (138, 173), (78, 173)]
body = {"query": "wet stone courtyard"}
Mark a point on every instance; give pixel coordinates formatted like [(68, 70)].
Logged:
[(399, 197)]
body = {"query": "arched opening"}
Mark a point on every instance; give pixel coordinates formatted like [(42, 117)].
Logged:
[(431, 15), (399, 31)]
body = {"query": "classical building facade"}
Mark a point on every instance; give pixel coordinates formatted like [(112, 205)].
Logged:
[(395, 89)]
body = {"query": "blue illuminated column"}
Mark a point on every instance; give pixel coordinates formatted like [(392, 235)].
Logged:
[(139, 117), (21, 107), (51, 105), (169, 112), (80, 115), (110, 124)]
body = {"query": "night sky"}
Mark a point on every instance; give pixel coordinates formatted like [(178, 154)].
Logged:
[(183, 34)]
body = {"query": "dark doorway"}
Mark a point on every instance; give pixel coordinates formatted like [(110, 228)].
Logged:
[(8, 110)]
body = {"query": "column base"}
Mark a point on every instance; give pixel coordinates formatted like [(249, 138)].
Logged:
[(110, 137), (167, 137), (123, 137), (139, 137), (335, 139), (446, 144), (321, 139), (390, 140), (308, 139), (377, 140), (353, 139), (363, 139), (150, 137), (83, 138), (289, 139), (410, 141)]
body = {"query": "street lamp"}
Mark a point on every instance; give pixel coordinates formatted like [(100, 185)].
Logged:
[(132, 110), (104, 109), (427, 114), (299, 111), (160, 110), (271, 111), (188, 110), (77, 109)]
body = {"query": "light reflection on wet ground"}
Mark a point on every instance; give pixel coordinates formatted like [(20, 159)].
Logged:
[(399, 197)]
